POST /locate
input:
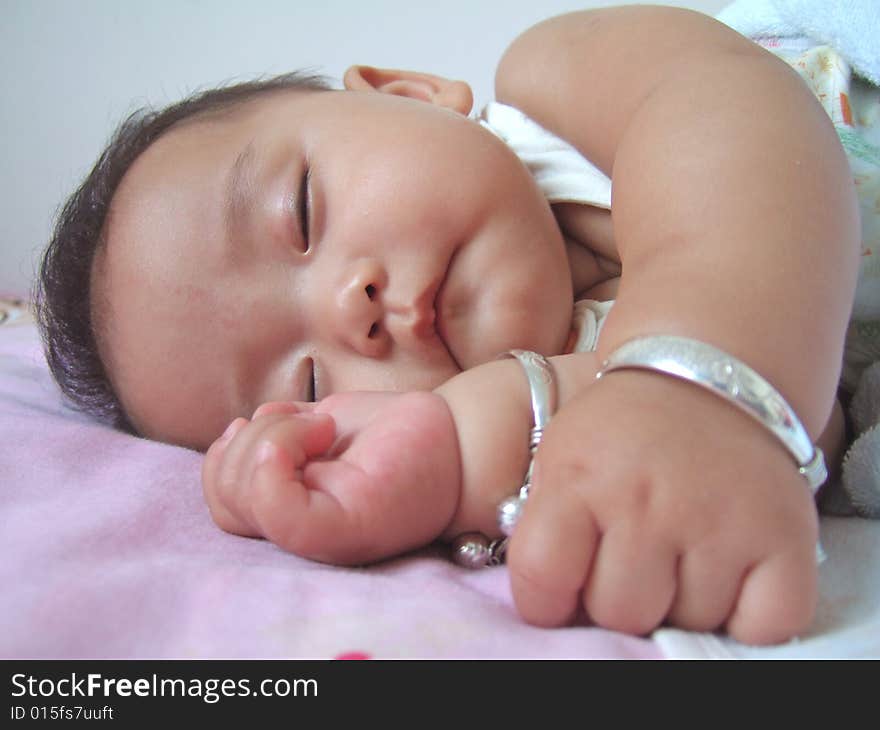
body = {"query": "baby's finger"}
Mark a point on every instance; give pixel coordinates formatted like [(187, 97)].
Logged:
[(777, 599), (550, 555), (708, 585), (633, 581), (311, 523), (287, 407), (216, 451), (292, 432), (225, 518), (238, 449)]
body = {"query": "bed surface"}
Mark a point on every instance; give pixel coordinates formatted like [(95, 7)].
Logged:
[(108, 551)]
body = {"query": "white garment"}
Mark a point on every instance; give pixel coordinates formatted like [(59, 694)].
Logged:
[(589, 317), (564, 175)]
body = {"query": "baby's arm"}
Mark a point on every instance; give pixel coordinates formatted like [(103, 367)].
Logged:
[(366, 475), (363, 476), (733, 211), (735, 221)]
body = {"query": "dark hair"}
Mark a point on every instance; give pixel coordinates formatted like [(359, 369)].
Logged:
[(62, 289)]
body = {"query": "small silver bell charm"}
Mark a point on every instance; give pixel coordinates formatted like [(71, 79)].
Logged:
[(508, 513), (471, 550)]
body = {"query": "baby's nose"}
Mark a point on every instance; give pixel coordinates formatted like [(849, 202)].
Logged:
[(359, 311)]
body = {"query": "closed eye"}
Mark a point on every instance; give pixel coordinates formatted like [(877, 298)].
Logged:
[(311, 389), (304, 208)]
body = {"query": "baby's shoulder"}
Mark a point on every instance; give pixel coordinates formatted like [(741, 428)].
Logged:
[(583, 75)]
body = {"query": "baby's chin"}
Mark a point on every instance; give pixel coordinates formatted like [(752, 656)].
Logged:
[(481, 329), (486, 308), (460, 334), (470, 344)]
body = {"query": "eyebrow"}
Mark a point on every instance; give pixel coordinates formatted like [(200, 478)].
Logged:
[(239, 195)]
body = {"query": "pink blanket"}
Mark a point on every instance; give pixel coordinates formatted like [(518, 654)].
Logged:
[(109, 551)]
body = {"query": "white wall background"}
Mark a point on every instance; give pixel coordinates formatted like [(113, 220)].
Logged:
[(71, 69)]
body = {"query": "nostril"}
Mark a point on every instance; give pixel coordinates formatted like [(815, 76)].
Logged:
[(374, 330), (371, 291)]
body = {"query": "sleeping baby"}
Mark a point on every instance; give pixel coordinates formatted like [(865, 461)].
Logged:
[(314, 286)]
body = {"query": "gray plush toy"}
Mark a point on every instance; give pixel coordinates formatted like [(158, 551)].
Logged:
[(857, 492)]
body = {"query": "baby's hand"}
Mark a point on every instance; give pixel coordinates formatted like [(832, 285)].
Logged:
[(654, 501), (354, 478)]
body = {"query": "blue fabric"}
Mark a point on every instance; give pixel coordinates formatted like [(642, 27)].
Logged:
[(851, 27)]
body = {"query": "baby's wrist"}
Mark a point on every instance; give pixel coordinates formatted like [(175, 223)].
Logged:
[(491, 409), (729, 379), (474, 549)]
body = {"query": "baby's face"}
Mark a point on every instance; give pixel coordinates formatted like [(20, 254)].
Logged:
[(315, 242)]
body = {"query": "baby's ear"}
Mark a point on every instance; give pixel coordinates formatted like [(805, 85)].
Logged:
[(454, 95)]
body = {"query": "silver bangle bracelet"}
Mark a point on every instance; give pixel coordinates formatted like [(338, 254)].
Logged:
[(473, 549), (729, 378)]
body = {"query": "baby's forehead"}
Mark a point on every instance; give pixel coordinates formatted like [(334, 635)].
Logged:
[(171, 197), (165, 208), (241, 107), (191, 158)]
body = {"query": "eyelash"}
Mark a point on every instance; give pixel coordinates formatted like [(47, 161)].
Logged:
[(312, 392), (305, 208)]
